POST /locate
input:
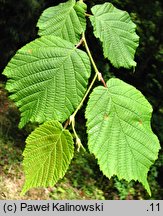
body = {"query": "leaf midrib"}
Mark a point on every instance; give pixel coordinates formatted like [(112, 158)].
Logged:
[(48, 155)]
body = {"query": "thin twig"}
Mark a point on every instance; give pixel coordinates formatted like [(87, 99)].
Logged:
[(88, 15), (80, 43), (78, 141), (100, 78), (67, 123)]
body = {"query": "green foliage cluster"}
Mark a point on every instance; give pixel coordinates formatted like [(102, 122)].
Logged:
[(48, 81)]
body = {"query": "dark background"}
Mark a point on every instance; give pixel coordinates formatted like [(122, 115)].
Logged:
[(17, 26)]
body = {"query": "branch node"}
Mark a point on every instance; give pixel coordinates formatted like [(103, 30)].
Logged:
[(100, 78), (80, 43)]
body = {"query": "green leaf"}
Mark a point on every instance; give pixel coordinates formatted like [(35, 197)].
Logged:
[(119, 131), (67, 20), (117, 33), (49, 150), (80, 9), (48, 79)]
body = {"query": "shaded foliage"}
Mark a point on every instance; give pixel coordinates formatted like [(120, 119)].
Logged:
[(18, 24)]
